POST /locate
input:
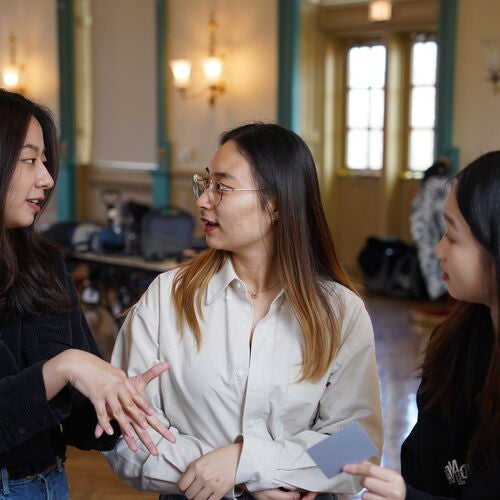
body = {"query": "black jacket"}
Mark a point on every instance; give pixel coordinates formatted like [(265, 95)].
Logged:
[(434, 460), (30, 430)]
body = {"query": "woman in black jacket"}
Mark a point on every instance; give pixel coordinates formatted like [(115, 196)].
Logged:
[(54, 388), (454, 449)]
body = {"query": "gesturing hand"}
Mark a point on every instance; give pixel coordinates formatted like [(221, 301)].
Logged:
[(212, 475), (140, 382), (111, 392), (380, 482)]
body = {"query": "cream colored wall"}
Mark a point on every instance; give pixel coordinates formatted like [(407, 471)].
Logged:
[(33, 23), (124, 91), (247, 35), (477, 108)]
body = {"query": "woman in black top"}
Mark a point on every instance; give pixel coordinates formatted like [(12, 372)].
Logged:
[(454, 449), (54, 388)]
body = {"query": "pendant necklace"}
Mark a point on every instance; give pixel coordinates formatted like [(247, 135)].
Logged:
[(255, 293)]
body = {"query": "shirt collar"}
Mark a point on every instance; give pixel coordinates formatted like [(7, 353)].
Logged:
[(221, 280)]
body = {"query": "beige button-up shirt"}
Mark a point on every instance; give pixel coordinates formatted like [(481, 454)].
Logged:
[(229, 391)]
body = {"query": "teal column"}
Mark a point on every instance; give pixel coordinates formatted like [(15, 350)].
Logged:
[(288, 63), (65, 189), (445, 85), (160, 176)]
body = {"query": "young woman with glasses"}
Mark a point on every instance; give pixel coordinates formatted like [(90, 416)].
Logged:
[(54, 388), (270, 348)]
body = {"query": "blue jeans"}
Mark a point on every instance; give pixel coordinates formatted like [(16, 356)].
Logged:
[(50, 485)]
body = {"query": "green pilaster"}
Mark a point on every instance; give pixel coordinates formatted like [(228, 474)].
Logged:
[(66, 206), (160, 176), (446, 77), (288, 63)]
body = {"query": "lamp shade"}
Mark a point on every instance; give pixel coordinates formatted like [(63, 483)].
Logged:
[(10, 76), (212, 67), (181, 70)]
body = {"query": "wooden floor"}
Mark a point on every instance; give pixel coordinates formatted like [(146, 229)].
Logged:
[(399, 343), (91, 478)]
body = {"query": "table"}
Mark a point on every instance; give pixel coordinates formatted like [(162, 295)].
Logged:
[(108, 284), (125, 261)]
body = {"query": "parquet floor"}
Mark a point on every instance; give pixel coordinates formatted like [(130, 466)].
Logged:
[(398, 346)]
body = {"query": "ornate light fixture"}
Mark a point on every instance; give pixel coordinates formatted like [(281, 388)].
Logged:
[(379, 10), (212, 69), (11, 74)]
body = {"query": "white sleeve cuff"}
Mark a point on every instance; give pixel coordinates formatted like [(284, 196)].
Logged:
[(258, 462)]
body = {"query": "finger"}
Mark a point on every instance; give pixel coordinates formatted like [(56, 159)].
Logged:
[(102, 417), (146, 439), (162, 429), (366, 469), (206, 493), (116, 411), (128, 406), (386, 489), (368, 495), (194, 489), (131, 443), (186, 479), (134, 398), (310, 495), (153, 372), (98, 431)]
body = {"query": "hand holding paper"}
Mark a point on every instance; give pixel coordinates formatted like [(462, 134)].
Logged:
[(349, 445)]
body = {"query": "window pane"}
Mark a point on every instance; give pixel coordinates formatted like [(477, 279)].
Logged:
[(377, 66), (424, 57), (357, 149), (358, 63), (377, 98), (365, 107), (367, 67), (376, 149), (358, 108), (421, 149), (423, 103)]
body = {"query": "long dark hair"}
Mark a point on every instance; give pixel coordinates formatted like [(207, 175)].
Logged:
[(29, 283), (284, 169), (463, 356)]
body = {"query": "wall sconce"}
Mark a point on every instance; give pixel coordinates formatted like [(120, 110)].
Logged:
[(492, 54), (11, 74), (379, 10), (212, 69)]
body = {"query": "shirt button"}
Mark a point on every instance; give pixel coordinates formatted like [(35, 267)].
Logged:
[(239, 373), (21, 430)]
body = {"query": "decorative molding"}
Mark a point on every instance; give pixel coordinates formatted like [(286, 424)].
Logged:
[(124, 165), (351, 20)]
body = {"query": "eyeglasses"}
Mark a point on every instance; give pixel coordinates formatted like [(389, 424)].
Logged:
[(214, 189)]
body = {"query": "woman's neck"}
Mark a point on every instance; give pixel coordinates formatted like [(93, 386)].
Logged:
[(257, 274)]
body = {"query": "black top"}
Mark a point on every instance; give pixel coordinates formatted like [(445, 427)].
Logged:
[(31, 436), (434, 455)]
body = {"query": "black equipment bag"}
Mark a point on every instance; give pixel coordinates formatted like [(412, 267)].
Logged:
[(166, 232), (391, 267)]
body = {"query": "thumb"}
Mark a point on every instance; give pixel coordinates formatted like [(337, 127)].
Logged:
[(142, 380)]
